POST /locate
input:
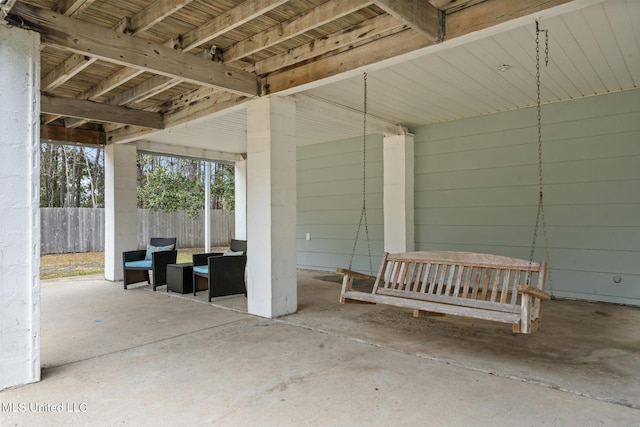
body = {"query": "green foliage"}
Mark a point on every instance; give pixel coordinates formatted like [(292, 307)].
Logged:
[(170, 190), (174, 184)]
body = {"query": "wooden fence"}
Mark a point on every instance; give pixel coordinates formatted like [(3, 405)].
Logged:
[(82, 229)]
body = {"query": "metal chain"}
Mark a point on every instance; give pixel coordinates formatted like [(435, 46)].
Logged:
[(540, 217), (363, 212)]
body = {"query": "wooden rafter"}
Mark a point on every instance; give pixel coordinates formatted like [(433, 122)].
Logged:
[(417, 14), (363, 32), (314, 18), (111, 46), (99, 112), (72, 7), (6, 7)]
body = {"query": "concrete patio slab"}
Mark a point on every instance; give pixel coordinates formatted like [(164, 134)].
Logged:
[(142, 358)]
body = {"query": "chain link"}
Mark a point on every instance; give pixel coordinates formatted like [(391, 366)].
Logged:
[(540, 217), (363, 212)]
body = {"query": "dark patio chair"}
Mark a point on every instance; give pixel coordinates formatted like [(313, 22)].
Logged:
[(221, 273), (137, 264)]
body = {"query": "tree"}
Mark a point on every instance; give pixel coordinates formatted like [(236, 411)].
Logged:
[(71, 176), (168, 190), (223, 187)]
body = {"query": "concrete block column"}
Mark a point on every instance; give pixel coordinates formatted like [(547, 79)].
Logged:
[(19, 207), (120, 206), (398, 188), (240, 196), (271, 207)]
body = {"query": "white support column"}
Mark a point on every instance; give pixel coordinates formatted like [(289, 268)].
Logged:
[(398, 155), (207, 206), (240, 195), (271, 207), (19, 207), (120, 206)]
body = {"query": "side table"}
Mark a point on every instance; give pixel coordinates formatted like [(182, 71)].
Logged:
[(180, 278)]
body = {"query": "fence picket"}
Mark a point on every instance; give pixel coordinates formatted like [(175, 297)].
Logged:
[(65, 230)]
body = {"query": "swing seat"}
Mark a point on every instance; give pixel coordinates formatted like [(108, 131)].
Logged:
[(481, 286)]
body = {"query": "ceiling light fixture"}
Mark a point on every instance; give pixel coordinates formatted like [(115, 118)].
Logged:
[(504, 67)]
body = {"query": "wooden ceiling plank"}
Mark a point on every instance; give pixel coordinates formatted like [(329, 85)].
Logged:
[(154, 13), (417, 14), (80, 136), (361, 32), (314, 18), (111, 46), (229, 20), (71, 107)]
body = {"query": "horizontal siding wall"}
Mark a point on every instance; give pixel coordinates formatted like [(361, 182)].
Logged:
[(476, 190), (329, 204)]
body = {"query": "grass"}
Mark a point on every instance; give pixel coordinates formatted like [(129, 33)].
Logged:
[(53, 266)]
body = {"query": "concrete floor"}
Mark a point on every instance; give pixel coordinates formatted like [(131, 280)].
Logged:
[(114, 357)]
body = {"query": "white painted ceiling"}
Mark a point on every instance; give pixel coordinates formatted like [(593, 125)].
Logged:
[(594, 48)]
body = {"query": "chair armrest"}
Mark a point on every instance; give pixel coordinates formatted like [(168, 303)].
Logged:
[(352, 273), (535, 292), (137, 255), (202, 259)]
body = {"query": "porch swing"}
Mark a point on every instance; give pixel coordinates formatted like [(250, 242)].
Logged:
[(483, 286)]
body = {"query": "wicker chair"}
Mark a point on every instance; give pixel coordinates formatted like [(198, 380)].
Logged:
[(219, 273), (136, 264)]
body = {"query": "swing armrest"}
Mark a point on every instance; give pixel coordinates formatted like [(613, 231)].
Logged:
[(352, 273), (530, 290)]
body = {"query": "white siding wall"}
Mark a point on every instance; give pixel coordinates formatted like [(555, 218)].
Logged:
[(329, 196), (476, 190)]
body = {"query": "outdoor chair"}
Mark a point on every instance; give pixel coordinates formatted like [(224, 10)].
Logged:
[(222, 273), (160, 252)]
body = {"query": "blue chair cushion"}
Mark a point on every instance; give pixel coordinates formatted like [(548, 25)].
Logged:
[(151, 249), (202, 269), (139, 264)]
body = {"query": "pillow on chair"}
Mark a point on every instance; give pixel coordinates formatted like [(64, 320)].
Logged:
[(229, 252), (151, 249)]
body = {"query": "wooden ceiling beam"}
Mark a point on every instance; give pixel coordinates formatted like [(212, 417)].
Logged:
[(71, 107), (474, 18), (417, 14), (76, 136), (6, 8), (228, 21), (154, 13), (64, 71), (139, 22), (111, 46), (314, 18), (72, 7), (362, 32)]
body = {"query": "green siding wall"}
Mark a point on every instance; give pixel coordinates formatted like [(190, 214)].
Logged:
[(476, 190), (329, 184)]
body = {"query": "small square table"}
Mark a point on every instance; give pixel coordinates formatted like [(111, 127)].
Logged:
[(180, 278)]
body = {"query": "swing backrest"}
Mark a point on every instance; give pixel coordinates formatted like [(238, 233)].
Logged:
[(463, 278)]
